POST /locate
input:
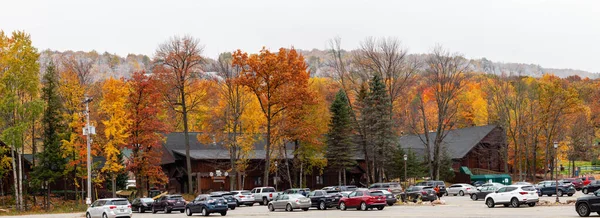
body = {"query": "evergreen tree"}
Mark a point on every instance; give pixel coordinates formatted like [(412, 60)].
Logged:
[(378, 124), (340, 147), (51, 162)]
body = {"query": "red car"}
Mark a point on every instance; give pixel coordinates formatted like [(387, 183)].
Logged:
[(363, 199), (576, 182), (587, 179)]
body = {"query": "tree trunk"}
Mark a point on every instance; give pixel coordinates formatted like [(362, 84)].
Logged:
[(47, 195), (344, 176), (114, 186), (300, 184), (340, 177), (287, 167), (188, 161), (267, 150), (14, 169), (364, 142)]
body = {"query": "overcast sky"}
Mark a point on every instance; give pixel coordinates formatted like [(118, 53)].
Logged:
[(557, 34)]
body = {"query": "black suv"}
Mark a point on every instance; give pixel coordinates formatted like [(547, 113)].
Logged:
[(169, 203), (433, 183), (592, 187), (322, 199), (549, 188), (587, 204)]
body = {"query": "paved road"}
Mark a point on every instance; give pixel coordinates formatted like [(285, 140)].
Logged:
[(455, 207)]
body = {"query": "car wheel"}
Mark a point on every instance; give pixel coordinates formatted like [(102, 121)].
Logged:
[(446, 194), (188, 211), (380, 208), (237, 203), (474, 197), (322, 206), (549, 195), (461, 193), (204, 212), (490, 203), (585, 191), (342, 206), (153, 210), (224, 213), (583, 210), (106, 216), (531, 204), (87, 215), (363, 206), (514, 202), (289, 208), (390, 204), (167, 210), (305, 209), (559, 193), (232, 208), (271, 208), (569, 195), (265, 201)]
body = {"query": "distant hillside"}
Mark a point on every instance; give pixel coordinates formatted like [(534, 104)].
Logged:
[(105, 65), (317, 60)]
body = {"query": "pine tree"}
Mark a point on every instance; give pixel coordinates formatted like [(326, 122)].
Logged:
[(378, 124), (51, 161), (340, 147)]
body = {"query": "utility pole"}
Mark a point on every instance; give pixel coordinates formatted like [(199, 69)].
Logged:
[(88, 134), (556, 169)]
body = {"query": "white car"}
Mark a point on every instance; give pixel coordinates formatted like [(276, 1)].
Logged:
[(243, 197), (513, 195), (461, 189), (109, 208)]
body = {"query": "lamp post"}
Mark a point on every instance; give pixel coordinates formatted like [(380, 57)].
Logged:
[(88, 131), (405, 178), (276, 176), (556, 175)]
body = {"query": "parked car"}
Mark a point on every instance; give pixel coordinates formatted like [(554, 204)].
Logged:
[(414, 193), (322, 199), (592, 187), (461, 189), (577, 183), (263, 195), (228, 196), (549, 188), (587, 180), (363, 199), (342, 188), (109, 207), (495, 184), (522, 183), (483, 192), (390, 198), (290, 202), (434, 183), (169, 203), (207, 204), (513, 195), (587, 204), (301, 191), (393, 187), (141, 205), (243, 197), (477, 183)]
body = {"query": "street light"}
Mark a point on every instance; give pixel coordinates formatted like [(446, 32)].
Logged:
[(88, 131), (405, 178), (556, 175), (276, 175)]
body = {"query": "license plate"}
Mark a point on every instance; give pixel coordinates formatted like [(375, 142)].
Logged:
[(219, 204), (121, 210)]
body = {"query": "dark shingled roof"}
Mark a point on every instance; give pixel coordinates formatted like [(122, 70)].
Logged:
[(174, 148), (458, 142)]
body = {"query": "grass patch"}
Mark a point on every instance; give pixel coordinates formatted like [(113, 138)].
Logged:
[(58, 206)]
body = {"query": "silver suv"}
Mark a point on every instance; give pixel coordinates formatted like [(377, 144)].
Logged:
[(109, 208)]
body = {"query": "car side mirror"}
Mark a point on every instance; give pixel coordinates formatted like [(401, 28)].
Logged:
[(495, 191), (92, 206), (596, 193)]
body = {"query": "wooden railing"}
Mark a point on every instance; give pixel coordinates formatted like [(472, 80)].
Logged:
[(478, 171)]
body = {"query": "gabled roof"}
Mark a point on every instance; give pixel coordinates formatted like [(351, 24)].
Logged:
[(458, 142)]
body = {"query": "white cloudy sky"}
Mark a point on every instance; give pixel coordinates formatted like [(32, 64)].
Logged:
[(559, 34)]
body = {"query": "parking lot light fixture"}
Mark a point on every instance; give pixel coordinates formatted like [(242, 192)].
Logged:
[(556, 169)]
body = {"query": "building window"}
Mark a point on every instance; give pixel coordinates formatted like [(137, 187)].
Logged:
[(319, 180), (257, 181)]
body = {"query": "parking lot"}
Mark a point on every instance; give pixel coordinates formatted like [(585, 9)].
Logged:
[(455, 207)]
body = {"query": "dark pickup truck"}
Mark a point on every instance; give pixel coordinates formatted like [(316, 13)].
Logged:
[(322, 199)]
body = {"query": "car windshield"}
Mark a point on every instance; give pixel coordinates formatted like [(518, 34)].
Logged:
[(119, 202), (176, 198), (147, 200), (528, 188), (351, 188), (376, 193)]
